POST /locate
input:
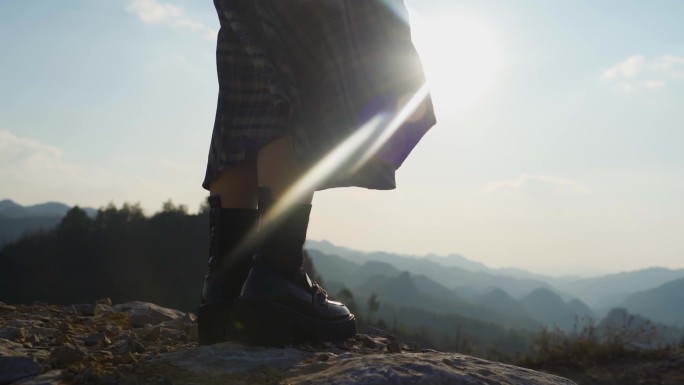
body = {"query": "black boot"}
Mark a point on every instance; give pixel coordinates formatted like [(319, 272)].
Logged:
[(279, 304), (229, 263)]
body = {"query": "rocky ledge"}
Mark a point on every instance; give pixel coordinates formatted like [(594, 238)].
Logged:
[(143, 343)]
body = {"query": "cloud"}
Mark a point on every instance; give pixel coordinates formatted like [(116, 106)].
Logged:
[(627, 69), (638, 72), (33, 172), (15, 150), (159, 13), (538, 184)]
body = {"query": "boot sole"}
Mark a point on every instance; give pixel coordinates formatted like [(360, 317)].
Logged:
[(213, 322), (272, 324)]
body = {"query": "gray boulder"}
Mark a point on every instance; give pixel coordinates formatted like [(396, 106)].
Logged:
[(235, 363)]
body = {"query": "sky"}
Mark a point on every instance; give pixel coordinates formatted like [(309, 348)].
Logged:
[(558, 147)]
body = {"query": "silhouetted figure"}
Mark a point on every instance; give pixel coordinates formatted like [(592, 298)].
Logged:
[(312, 95)]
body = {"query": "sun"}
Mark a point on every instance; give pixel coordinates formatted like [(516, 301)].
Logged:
[(460, 57)]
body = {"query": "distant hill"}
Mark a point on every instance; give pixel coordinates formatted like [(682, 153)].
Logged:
[(17, 220), (620, 323), (448, 261), (664, 304), (499, 300), (11, 209), (452, 277), (476, 283), (404, 289), (610, 290), (550, 309)]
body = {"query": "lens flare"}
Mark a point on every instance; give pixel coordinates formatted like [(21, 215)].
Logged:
[(345, 159), (348, 157)]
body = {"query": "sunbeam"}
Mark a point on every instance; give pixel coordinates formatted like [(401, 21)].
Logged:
[(348, 157)]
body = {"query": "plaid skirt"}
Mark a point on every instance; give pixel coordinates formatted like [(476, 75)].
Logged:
[(320, 70)]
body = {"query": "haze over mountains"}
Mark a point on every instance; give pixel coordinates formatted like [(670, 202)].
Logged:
[(449, 296), (472, 289)]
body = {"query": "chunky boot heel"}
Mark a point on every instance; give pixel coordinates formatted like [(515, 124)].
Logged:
[(311, 329), (276, 311), (262, 323), (212, 319), (273, 324)]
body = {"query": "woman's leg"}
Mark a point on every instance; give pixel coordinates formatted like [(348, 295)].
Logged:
[(285, 218), (279, 169), (279, 302), (233, 222), (237, 185)]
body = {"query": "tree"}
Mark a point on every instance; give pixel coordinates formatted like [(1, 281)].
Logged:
[(75, 220), (169, 207), (373, 306)]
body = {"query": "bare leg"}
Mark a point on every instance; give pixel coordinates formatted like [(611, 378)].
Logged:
[(278, 169), (277, 290), (233, 220), (284, 218), (237, 185)]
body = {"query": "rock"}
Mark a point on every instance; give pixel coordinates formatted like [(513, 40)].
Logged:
[(63, 339), (85, 309), (66, 354), (104, 301), (143, 313), (110, 330), (97, 339), (42, 332), (234, 363), (151, 332), (14, 368), (131, 345), (393, 347), (11, 348), (125, 358), (13, 333), (90, 310), (369, 342), (152, 345), (419, 368), (229, 358), (53, 377)]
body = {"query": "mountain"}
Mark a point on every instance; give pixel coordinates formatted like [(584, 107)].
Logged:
[(403, 289), (549, 308), (598, 291), (349, 274), (17, 220), (664, 304), (580, 308), (620, 324), (498, 300), (561, 300), (10, 209), (455, 260), (453, 277)]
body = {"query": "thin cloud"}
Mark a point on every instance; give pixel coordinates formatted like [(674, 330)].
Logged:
[(152, 12), (15, 150), (537, 184), (31, 171), (639, 72), (628, 69), (160, 13)]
